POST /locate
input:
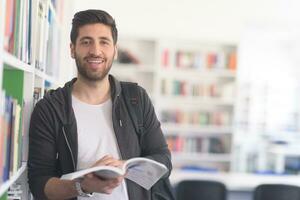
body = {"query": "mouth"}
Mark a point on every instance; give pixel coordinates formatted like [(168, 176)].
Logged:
[(95, 62)]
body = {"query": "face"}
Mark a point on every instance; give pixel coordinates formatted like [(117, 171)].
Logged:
[(94, 51)]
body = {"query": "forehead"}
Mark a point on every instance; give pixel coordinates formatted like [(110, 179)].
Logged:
[(95, 31)]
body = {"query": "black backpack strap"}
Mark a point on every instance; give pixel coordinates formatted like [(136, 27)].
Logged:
[(131, 94), (132, 99)]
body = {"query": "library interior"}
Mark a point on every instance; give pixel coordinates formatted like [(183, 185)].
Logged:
[(223, 77)]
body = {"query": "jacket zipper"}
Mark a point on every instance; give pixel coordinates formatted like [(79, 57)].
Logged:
[(69, 147), (120, 125)]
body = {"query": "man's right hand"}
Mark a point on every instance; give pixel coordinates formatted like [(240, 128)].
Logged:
[(92, 183)]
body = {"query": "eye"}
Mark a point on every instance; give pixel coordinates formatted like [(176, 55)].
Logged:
[(86, 42), (104, 42)]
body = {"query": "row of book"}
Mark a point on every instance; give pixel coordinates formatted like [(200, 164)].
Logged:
[(202, 60), (16, 192), (11, 136), (216, 118), (186, 88), (183, 144), (32, 34)]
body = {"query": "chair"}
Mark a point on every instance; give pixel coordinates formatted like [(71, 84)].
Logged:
[(276, 192), (200, 190)]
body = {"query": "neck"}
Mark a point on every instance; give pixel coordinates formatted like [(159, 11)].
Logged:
[(92, 92)]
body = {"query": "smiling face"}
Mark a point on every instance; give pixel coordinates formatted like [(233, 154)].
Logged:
[(94, 51)]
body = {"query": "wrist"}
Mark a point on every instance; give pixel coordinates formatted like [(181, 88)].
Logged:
[(80, 189)]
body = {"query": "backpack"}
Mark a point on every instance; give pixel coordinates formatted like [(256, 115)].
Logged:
[(162, 190)]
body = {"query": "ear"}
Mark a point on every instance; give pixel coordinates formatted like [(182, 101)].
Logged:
[(72, 50), (116, 52)]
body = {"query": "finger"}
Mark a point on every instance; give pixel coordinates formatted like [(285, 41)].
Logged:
[(90, 175), (114, 162), (104, 161), (108, 191)]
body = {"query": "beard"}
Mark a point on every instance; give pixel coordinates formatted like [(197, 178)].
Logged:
[(90, 75)]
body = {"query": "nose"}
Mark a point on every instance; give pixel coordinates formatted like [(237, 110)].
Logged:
[(95, 50)]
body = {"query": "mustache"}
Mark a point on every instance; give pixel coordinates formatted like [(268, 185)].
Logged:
[(94, 56)]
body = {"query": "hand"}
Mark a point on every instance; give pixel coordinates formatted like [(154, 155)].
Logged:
[(108, 160), (94, 183)]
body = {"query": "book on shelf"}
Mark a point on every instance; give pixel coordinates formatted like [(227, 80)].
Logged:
[(37, 94), (125, 56), (9, 26), (27, 109), (4, 196), (185, 144), (219, 145), (165, 58), (200, 118), (17, 29), (2, 131), (15, 192), (143, 171), (11, 141), (232, 61)]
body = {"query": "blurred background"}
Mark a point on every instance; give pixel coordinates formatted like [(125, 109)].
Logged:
[(223, 77)]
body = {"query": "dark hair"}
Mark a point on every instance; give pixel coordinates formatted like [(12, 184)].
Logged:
[(92, 17)]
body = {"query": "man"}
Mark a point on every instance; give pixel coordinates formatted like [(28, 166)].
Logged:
[(86, 123)]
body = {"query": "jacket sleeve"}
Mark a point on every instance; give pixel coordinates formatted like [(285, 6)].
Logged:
[(153, 143), (42, 151)]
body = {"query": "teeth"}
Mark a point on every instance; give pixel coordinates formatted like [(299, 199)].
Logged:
[(96, 61)]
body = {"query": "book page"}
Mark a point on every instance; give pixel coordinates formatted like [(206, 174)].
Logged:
[(145, 172)]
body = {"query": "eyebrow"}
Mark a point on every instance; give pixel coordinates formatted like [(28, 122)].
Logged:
[(90, 38)]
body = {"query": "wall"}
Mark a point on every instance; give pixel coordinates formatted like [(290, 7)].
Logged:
[(67, 64), (216, 20), (213, 20)]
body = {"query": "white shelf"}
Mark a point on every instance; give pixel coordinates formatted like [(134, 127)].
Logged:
[(196, 130), (200, 157), (44, 76), (188, 101), (194, 74), (285, 150), (4, 187), (15, 63), (131, 69)]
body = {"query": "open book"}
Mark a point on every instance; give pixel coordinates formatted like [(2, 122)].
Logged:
[(142, 171)]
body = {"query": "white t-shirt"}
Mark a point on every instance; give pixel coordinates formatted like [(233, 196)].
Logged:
[(96, 138)]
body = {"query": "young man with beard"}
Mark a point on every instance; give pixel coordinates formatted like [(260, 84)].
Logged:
[(86, 123)]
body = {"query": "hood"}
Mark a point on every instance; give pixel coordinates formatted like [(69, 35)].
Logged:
[(60, 99)]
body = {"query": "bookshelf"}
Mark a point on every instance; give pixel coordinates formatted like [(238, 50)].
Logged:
[(195, 95), (192, 85), (267, 108), (29, 63), (137, 62)]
